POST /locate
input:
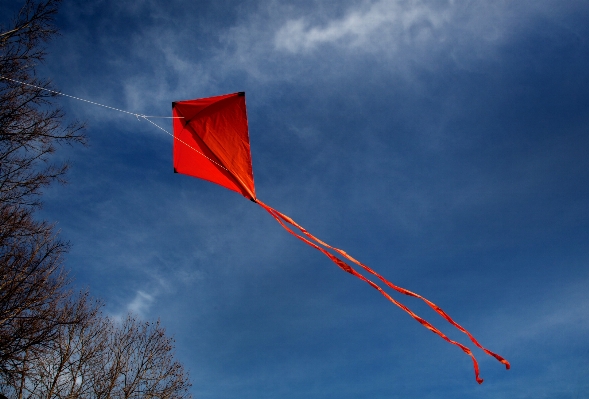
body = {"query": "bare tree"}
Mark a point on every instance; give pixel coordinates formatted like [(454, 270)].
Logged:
[(54, 345), (32, 281), (31, 125), (98, 359), (54, 370), (139, 363), (32, 287)]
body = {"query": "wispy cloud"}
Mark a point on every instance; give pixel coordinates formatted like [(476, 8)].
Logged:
[(141, 303), (413, 21)]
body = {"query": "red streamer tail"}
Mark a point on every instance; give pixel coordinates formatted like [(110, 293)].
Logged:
[(321, 246)]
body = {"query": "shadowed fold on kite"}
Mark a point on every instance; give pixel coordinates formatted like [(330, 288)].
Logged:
[(216, 129)]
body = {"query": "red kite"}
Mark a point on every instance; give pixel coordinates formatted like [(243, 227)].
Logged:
[(212, 143)]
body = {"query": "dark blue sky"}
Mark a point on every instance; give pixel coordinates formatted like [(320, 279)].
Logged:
[(443, 143)]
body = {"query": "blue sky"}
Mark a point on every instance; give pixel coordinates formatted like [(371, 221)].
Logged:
[(443, 143)]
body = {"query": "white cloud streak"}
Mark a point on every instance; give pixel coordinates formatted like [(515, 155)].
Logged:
[(141, 303), (407, 22)]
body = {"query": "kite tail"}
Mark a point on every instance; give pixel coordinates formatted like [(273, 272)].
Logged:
[(281, 218), (401, 290)]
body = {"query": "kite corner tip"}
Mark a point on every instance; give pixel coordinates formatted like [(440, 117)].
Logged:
[(241, 93)]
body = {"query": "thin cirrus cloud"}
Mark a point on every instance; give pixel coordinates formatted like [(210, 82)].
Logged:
[(141, 303), (415, 30), (358, 28)]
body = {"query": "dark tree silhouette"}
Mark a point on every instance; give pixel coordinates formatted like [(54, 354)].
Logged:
[(54, 344), (33, 285), (31, 125), (98, 358)]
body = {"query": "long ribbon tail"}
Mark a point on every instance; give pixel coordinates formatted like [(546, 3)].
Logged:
[(281, 219)]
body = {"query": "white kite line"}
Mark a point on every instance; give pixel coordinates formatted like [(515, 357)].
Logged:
[(88, 101), (126, 112)]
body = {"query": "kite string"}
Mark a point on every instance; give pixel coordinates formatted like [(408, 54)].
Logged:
[(183, 142), (344, 266), (146, 117), (88, 101), (401, 290)]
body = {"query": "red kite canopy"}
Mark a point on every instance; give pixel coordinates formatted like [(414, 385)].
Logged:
[(212, 143), (215, 127)]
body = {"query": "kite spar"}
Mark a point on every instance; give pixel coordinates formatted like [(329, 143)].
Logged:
[(216, 129)]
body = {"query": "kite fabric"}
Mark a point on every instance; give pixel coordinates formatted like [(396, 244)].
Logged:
[(226, 158), (216, 129)]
